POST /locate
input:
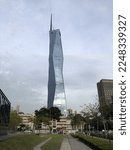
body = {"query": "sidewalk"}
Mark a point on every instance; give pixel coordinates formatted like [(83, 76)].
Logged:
[(38, 147), (65, 144), (77, 145), (70, 143)]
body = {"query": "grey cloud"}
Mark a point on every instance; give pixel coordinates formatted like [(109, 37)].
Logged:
[(86, 28)]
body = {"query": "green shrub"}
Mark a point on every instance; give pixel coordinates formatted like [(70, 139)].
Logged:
[(95, 143)]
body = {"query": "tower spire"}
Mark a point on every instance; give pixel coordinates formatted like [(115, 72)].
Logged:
[(51, 23)]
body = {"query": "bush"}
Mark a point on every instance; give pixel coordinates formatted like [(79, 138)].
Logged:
[(95, 142)]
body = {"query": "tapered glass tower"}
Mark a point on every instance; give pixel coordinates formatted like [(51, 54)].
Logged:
[(56, 91)]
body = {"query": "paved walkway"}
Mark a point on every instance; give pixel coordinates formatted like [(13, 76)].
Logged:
[(65, 144), (71, 143), (38, 147)]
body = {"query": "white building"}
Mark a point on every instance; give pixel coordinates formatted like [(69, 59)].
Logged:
[(27, 120)]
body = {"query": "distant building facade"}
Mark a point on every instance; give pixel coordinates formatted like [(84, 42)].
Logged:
[(105, 93), (62, 126), (5, 106), (27, 120), (56, 91), (70, 112)]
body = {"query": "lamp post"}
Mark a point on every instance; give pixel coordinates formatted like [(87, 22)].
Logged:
[(98, 115), (90, 118)]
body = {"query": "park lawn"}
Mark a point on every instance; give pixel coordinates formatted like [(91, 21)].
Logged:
[(95, 142), (22, 142), (54, 143)]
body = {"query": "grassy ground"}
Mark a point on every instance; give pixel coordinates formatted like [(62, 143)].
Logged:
[(96, 143), (54, 143), (22, 142)]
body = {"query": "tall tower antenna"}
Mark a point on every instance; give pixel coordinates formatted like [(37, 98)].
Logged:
[(51, 23)]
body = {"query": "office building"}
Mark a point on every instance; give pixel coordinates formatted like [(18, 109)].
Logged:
[(56, 91), (105, 93), (5, 106)]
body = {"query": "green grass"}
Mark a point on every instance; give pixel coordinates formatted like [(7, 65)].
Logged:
[(96, 143), (22, 142), (54, 143)]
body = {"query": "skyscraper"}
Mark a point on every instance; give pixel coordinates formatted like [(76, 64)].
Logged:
[(105, 93), (56, 91)]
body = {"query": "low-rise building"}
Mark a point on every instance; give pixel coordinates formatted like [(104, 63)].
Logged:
[(27, 120), (62, 126)]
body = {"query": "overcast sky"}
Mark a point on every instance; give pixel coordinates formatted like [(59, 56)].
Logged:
[(86, 30)]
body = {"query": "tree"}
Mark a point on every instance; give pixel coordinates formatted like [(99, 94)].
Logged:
[(90, 109), (42, 116), (55, 113), (45, 115), (77, 122), (91, 115), (15, 120), (107, 115), (42, 112)]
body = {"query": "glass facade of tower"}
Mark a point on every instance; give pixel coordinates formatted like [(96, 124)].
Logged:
[(5, 106), (56, 91)]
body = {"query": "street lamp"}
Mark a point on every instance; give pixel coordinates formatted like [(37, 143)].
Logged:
[(89, 126), (98, 115)]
